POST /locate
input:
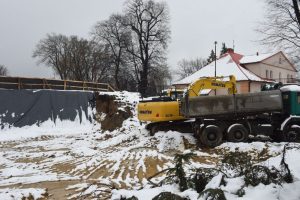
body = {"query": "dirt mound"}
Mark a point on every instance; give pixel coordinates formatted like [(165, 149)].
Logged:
[(111, 113)]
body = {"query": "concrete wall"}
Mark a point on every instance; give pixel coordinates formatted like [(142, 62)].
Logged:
[(277, 65)]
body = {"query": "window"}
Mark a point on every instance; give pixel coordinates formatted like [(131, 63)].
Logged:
[(291, 78), (279, 76), (288, 78), (271, 74), (267, 73), (280, 60)]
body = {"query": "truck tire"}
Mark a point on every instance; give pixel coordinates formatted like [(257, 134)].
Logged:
[(277, 136), (211, 136), (153, 129), (237, 133), (292, 134)]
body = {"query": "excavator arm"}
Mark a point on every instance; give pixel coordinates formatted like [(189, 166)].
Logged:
[(212, 83)]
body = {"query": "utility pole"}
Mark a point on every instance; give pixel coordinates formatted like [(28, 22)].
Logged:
[(216, 58), (216, 62)]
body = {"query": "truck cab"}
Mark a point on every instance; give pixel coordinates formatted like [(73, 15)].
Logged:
[(291, 99)]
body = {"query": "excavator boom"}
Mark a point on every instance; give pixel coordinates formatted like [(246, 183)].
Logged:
[(212, 83)]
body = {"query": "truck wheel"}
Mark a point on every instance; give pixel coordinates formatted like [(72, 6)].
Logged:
[(211, 136), (237, 133), (292, 134), (277, 136), (152, 128)]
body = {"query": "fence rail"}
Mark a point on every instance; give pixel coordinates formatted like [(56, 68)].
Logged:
[(52, 84)]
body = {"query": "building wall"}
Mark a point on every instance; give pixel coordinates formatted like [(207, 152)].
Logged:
[(242, 88), (255, 86), (277, 65), (219, 92), (180, 86)]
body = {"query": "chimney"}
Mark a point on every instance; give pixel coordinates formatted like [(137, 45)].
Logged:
[(230, 50)]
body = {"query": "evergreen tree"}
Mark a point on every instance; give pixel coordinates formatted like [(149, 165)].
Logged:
[(211, 57), (224, 49)]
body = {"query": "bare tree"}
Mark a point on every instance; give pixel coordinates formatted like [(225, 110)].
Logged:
[(149, 23), (116, 36), (160, 78), (99, 62), (52, 51), (296, 10), (88, 60), (3, 70), (187, 67), (73, 58), (281, 27)]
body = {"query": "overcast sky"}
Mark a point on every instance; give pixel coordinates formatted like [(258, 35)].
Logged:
[(195, 25)]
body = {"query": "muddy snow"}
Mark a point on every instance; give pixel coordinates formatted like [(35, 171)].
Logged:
[(93, 164)]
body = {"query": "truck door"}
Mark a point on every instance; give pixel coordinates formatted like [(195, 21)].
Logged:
[(286, 101)]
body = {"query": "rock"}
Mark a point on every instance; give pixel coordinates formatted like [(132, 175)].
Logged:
[(131, 198), (168, 196)]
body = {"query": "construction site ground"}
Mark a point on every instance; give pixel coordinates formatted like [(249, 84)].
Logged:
[(95, 164)]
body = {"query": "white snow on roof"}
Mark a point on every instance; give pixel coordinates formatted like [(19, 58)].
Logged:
[(225, 67), (294, 88), (256, 58)]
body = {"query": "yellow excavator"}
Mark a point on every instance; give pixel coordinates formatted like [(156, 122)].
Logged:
[(161, 111)]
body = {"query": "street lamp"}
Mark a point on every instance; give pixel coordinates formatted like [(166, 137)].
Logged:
[(216, 63), (216, 58)]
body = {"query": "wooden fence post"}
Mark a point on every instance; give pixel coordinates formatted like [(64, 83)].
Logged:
[(65, 84), (19, 83)]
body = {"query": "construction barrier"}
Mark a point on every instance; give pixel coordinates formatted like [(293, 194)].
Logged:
[(20, 108)]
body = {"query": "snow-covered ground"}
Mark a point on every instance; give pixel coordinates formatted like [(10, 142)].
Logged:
[(90, 163)]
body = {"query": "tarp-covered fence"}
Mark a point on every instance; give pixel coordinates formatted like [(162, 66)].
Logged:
[(20, 108)]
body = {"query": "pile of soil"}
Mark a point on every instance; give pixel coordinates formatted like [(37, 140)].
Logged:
[(115, 112)]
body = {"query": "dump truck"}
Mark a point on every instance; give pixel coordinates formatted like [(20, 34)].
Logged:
[(234, 117)]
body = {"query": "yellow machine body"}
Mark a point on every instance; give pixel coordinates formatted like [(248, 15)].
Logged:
[(161, 111)]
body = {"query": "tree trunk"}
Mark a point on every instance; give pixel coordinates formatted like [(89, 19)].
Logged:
[(117, 78), (296, 10), (144, 82)]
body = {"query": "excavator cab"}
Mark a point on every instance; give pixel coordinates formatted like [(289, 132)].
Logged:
[(173, 93)]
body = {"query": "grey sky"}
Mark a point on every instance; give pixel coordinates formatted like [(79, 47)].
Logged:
[(195, 25)]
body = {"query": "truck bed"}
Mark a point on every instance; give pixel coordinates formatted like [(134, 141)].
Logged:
[(230, 105)]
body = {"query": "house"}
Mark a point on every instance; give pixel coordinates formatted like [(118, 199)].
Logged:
[(251, 72), (273, 66)]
